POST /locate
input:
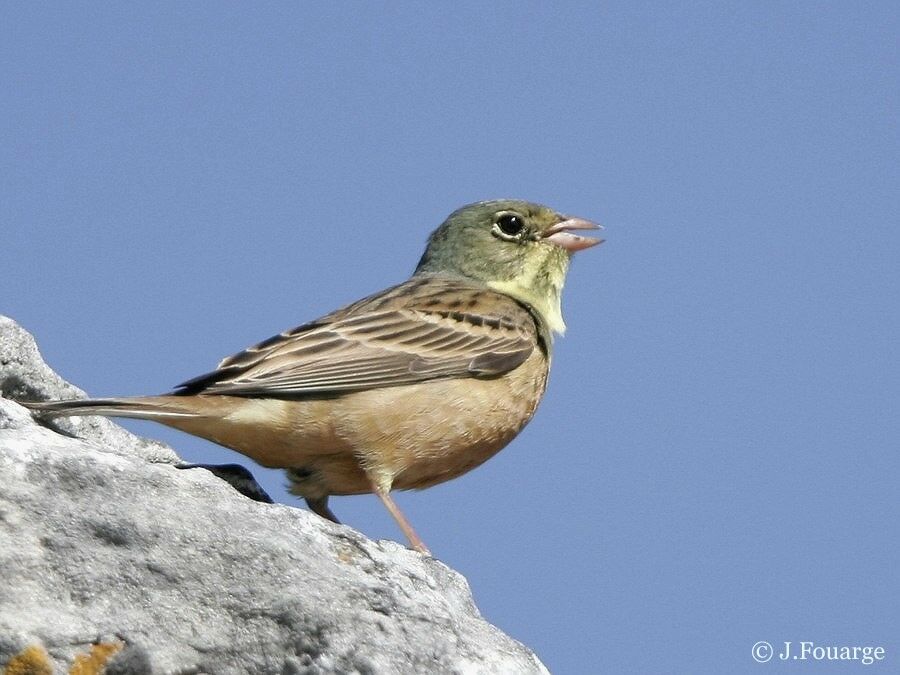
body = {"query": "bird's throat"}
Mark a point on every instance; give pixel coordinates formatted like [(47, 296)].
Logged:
[(541, 293)]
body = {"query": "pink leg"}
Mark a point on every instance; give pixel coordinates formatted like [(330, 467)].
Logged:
[(395, 511)]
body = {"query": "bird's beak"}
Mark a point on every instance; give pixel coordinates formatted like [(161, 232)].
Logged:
[(560, 235)]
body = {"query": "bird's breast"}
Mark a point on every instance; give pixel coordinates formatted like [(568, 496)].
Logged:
[(420, 435), (405, 437)]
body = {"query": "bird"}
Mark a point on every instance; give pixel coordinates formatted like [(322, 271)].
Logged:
[(403, 389)]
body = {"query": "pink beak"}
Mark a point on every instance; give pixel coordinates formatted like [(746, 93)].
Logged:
[(560, 235)]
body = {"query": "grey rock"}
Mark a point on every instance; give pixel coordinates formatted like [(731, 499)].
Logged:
[(25, 377), (103, 538)]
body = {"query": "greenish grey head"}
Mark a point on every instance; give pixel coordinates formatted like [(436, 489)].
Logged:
[(513, 246)]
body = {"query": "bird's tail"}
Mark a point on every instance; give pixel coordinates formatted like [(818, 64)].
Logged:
[(139, 407)]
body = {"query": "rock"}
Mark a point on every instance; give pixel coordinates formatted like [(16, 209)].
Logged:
[(114, 558)]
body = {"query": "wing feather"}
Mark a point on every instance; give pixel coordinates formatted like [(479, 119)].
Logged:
[(427, 328)]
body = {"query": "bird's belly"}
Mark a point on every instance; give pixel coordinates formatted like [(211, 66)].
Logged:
[(406, 437), (420, 435)]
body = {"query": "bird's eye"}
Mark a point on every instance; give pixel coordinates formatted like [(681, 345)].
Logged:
[(509, 225)]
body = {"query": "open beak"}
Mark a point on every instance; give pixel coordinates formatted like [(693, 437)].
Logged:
[(561, 235)]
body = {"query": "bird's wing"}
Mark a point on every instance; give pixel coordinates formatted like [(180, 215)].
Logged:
[(427, 328)]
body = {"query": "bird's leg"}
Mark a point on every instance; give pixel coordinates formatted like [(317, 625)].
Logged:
[(391, 505), (320, 507)]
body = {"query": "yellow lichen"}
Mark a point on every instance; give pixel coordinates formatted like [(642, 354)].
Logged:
[(33, 660), (94, 662)]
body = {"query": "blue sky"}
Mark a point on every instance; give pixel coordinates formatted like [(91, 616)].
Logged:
[(716, 460)]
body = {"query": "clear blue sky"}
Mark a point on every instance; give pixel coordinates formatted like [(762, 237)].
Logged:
[(716, 460)]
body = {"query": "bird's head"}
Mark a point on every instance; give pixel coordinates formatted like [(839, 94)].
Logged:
[(515, 247)]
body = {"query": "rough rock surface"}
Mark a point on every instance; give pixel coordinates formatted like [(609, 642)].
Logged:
[(107, 550)]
